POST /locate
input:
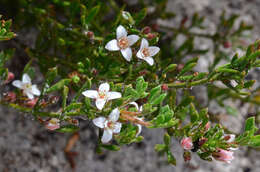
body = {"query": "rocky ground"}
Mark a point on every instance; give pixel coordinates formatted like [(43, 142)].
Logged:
[(25, 146)]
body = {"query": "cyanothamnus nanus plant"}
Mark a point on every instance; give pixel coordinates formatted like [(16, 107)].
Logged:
[(123, 72)]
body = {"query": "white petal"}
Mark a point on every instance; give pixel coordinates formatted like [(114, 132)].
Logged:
[(29, 94), (104, 87), (114, 115), (90, 93), (100, 103), (149, 60), (17, 83), (139, 54), (120, 32), (132, 39), (35, 90), (26, 78), (141, 109), (139, 130), (127, 53), (113, 95), (135, 104), (107, 136), (99, 122), (153, 50), (117, 127), (144, 44), (112, 45)]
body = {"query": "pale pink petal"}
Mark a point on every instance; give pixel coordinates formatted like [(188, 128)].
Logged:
[(149, 60), (127, 53), (107, 136), (17, 83), (114, 115), (139, 54), (144, 44), (153, 50), (35, 90), (113, 95), (100, 103), (112, 45), (99, 122), (117, 127), (104, 87), (90, 93), (26, 78), (120, 32), (132, 39)]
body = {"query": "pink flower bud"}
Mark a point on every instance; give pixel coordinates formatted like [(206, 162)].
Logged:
[(146, 30), (223, 155), (164, 87), (31, 103), (186, 143), (53, 124), (227, 44), (10, 97), (207, 126), (10, 77), (151, 35)]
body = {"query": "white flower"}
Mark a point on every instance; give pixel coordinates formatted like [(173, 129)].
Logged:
[(28, 89), (102, 95), (110, 125), (141, 118), (122, 43), (145, 52)]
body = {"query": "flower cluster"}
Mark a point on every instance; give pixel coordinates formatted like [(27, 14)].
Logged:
[(123, 44)]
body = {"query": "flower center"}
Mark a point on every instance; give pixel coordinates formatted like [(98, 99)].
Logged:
[(110, 124), (123, 43), (145, 52), (27, 86), (102, 94)]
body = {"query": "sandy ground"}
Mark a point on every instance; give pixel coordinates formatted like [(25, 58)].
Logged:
[(25, 146)]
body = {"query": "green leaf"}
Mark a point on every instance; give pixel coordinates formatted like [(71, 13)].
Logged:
[(159, 147), (158, 100), (167, 139), (110, 147), (51, 74), (141, 85), (255, 141), (171, 159), (92, 14), (250, 124), (140, 16), (59, 85), (68, 129)]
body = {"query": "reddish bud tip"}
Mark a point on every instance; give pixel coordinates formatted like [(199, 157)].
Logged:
[(202, 141), (164, 87), (150, 35), (31, 103), (10, 97), (10, 77), (146, 30), (186, 156), (227, 44)]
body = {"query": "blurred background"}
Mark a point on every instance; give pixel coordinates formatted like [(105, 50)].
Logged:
[(25, 146)]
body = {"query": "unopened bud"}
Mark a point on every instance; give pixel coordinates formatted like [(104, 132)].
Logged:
[(164, 87), (186, 143), (202, 141), (10, 77), (146, 30), (207, 126), (10, 97), (52, 124), (227, 44), (31, 103), (150, 35), (186, 156)]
